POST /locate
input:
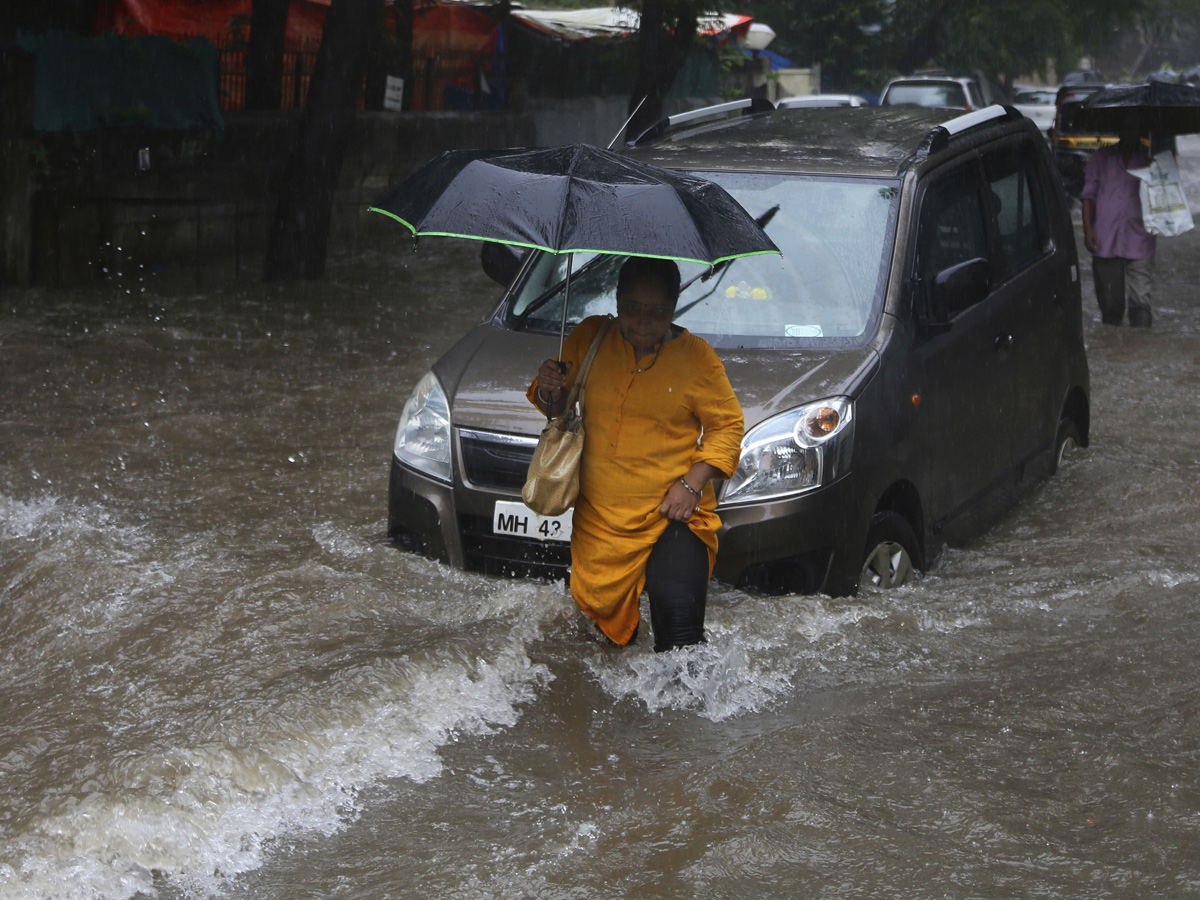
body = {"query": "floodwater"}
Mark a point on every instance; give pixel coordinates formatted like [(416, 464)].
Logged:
[(218, 678)]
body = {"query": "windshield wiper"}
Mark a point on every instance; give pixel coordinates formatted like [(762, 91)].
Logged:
[(545, 296), (713, 271)]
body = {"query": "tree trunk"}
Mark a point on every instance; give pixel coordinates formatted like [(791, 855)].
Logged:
[(264, 54), (300, 233), (662, 53), (380, 61)]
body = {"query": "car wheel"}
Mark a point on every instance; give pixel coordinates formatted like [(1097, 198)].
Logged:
[(891, 549), (1066, 442)]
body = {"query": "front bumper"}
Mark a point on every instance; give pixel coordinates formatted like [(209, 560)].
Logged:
[(799, 544), (454, 525)]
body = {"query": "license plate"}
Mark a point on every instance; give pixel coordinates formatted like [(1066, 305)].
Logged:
[(519, 520)]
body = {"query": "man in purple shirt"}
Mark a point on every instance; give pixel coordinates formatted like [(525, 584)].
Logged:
[(1122, 251)]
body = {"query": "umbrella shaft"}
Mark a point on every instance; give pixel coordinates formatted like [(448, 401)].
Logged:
[(562, 332)]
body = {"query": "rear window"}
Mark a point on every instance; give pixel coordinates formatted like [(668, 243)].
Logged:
[(939, 94), (826, 289), (1035, 98)]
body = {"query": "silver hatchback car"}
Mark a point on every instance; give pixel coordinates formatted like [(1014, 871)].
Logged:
[(927, 302), (937, 91)]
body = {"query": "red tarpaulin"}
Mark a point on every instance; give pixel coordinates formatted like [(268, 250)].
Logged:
[(446, 28), (452, 29), (216, 20), (454, 45)]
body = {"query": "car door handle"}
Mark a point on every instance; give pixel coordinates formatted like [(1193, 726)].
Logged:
[(1004, 342)]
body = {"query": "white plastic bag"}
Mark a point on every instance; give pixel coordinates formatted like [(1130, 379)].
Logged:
[(1164, 207)]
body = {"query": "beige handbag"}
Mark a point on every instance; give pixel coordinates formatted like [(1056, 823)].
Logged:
[(553, 480)]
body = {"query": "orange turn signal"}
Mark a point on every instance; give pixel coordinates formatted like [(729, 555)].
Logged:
[(825, 421)]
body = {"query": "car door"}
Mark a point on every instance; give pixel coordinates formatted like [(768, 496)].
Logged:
[(964, 394), (1031, 282)]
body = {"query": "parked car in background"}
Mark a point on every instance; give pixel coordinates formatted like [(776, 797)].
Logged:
[(912, 361), (938, 88), (933, 91), (1073, 145), (1038, 104), (822, 101)]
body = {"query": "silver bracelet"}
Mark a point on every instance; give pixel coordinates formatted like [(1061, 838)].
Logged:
[(691, 490)]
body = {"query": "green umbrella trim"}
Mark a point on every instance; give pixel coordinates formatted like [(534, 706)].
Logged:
[(476, 237)]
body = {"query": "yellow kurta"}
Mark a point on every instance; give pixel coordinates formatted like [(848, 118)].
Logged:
[(643, 431)]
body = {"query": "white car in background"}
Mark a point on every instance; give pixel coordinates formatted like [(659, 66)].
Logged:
[(1037, 103), (934, 92)]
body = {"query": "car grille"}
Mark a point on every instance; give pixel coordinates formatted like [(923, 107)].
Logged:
[(494, 460)]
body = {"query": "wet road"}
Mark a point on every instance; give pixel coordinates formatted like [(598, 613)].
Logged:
[(220, 679)]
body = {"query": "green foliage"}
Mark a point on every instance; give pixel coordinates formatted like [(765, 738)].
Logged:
[(843, 36), (730, 58), (1007, 38), (859, 43)]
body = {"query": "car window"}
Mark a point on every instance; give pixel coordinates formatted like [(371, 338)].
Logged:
[(950, 229), (936, 94), (1018, 206), (976, 96), (828, 286), (1035, 98)]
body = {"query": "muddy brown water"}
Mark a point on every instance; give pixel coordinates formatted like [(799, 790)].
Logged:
[(220, 680)]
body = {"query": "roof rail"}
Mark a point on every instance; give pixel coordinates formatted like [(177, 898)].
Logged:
[(748, 106), (939, 138)]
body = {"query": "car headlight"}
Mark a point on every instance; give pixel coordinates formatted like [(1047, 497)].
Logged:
[(423, 435), (796, 451)]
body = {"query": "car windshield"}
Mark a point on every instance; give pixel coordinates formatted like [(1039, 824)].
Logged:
[(827, 287), (941, 94)]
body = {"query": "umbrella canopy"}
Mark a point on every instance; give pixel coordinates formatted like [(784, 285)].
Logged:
[(576, 198), (1156, 107)]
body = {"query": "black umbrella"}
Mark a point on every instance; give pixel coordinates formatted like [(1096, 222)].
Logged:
[(575, 199), (1156, 107)]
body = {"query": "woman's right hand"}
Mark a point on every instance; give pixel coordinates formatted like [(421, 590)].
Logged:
[(552, 380)]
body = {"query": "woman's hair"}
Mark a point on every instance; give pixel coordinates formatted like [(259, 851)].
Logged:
[(663, 273)]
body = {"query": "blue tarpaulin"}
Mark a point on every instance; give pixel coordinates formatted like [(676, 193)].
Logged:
[(777, 61)]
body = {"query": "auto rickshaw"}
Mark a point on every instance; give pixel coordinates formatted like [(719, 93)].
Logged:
[(1072, 143)]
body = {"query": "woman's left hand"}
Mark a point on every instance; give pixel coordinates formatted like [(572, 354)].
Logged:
[(680, 504)]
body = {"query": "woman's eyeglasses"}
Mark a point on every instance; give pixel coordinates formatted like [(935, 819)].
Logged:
[(633, 310)]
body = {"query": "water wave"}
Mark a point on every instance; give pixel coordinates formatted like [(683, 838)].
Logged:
[(182, 735)]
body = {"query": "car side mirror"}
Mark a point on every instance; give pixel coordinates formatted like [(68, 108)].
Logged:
[(957, 288), (500, 262)]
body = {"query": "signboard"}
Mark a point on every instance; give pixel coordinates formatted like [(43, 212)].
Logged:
[(393, 94)]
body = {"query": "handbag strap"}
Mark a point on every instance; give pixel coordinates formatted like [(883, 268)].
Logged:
[(577, 389)]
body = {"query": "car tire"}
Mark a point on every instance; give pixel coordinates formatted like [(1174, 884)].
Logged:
[(891, 551), (1066, 442)]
